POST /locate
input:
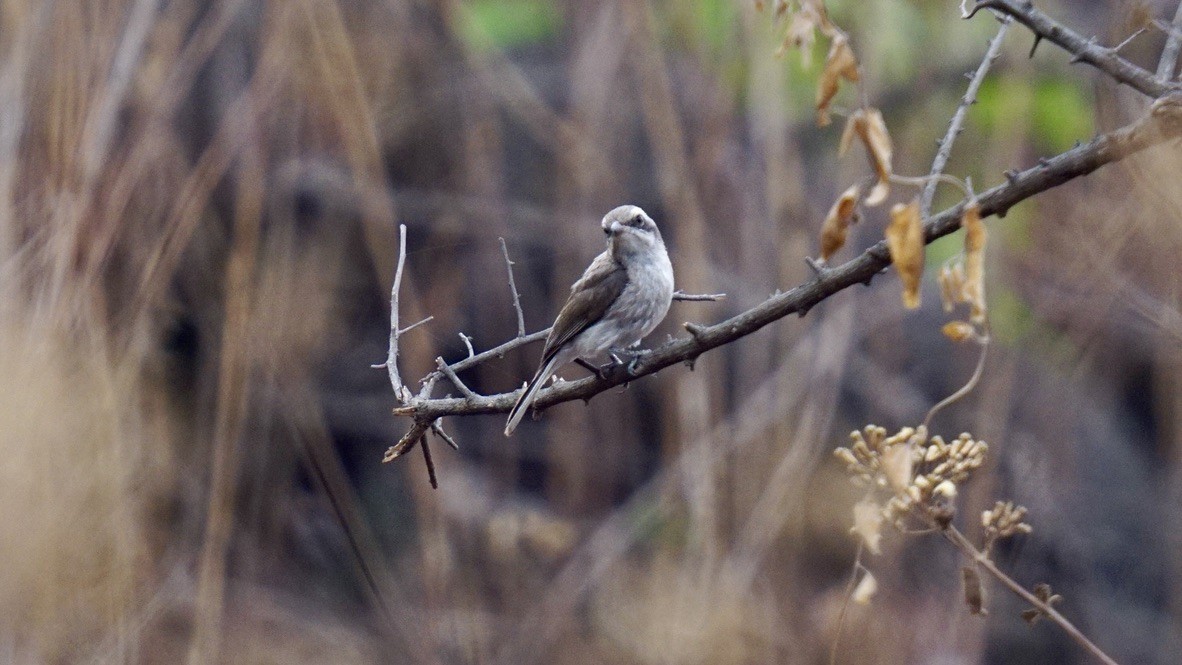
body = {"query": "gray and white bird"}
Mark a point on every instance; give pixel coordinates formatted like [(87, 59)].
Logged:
[(620, 298)]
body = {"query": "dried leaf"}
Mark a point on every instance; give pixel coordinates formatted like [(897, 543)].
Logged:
[(865, 590), (837, 222), (840, 63), (868, 125), (817, 7), (802, 33), (951, 281), (974, 594), (896, 466), (868, 524), (878, 146), (904, 236), (959, 331), (973, 290)]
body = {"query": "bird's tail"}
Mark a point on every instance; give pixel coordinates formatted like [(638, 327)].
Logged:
[(527, 398)]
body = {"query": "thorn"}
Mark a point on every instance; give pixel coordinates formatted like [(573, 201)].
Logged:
[(804, 310), (1044, 162), (1034, 47), (818, 267), (694, 329), (689, 362), (1011, 175)]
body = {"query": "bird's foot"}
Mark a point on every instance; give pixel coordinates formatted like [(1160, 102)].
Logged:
[(634, 357)]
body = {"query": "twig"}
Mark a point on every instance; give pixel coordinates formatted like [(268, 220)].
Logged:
[(468, 343), (495, 352), (426, 448), (1169, 53), (697, 297), (965, 389), (958, 539), (513, 288), (455, 380), (412, 327), (404, 444), (954, 127), (400, 391), (437, 429), (1082, 50), (1164, 122)]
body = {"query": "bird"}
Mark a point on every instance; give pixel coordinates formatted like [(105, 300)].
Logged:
[(621, 297)]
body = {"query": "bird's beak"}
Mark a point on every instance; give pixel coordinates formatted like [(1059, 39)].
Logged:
[(615, 228)]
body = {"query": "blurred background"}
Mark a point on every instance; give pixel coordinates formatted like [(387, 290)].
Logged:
[(198, 230)]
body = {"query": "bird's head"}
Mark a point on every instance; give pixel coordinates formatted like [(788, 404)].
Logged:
[(630, 230)]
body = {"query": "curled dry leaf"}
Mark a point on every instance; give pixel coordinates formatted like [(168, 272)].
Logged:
[(837, 222), (868, 524), (973, 289), (951, 281), (840, 63), (974, 594), (865, 590), (959, 331), (868, 125), (904, 236)]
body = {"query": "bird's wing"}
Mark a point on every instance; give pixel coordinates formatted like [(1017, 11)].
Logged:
[(590, 297)]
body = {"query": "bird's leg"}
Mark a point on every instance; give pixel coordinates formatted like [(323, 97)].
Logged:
[(591, 367), (634, 356)]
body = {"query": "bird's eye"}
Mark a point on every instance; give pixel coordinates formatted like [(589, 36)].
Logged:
[(637, 221), (607, 231)]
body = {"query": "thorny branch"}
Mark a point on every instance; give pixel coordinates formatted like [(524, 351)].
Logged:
[(1162, 123), (954, 127), (1082, 50)]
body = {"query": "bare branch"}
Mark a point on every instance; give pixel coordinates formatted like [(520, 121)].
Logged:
[(455, 380), (437, 429), (1164, 122), (513, 288), (697, 297), (1169, 54), (1082, 50), (954, 127), (468, 343), (412, 327), (400, 391), (495, 352)]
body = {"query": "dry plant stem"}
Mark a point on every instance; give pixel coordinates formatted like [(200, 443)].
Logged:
[(1082, 50), (1169, 54), (513, 288), (1163, 123), (845, 605), (964, 390), (954, 127), (958, 539)]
